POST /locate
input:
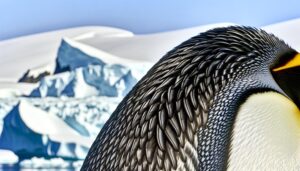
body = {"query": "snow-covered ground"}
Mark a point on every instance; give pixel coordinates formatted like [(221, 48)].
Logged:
[(70, 81)]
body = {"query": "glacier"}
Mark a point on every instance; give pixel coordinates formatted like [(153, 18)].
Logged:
[(29, 130), (78, 74), (58, 121)]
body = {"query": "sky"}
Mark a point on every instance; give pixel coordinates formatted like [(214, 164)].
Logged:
[(25, 17)]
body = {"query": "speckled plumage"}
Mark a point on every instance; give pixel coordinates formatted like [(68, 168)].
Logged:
[(180, 115)]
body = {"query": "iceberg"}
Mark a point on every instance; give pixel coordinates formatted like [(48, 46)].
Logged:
[(29, 131), (92, 80), (79, 95), (52, 127), (70, 58), (83, 71)]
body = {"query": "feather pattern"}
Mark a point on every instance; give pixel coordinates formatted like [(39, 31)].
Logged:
[(155, 127)]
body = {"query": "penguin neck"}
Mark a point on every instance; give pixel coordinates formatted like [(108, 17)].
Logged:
[(266, 134), (214, 138)]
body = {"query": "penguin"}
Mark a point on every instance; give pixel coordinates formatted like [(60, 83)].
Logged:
[(225, 99)]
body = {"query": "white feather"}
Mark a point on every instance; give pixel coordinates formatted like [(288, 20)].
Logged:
[(266, 134)]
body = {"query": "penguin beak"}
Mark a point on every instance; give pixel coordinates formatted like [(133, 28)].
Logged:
[(287, 77)]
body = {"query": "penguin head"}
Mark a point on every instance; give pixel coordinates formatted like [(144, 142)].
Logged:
[(245, 54)]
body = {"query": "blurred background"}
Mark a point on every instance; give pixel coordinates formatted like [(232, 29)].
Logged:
[(66, 65)]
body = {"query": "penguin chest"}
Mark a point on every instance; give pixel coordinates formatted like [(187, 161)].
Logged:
[(266, 134)]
